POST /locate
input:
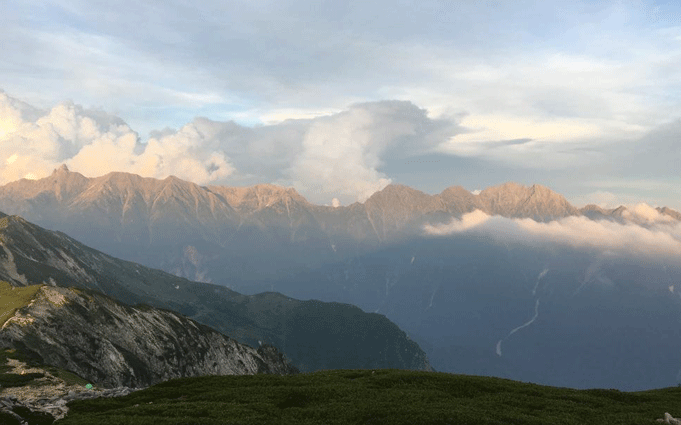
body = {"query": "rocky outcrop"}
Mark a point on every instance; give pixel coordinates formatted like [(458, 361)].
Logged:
[(669, 419), (44, 411), (112, 345)]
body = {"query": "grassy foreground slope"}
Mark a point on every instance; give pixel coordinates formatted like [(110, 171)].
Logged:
[(12, 298), (386, 396)]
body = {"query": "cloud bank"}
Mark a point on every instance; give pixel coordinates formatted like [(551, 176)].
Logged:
[(332, 156), (646, 233), (95, 143)]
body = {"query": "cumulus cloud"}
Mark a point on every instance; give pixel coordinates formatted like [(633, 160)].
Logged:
[(644, 214), (95, 143), (468, 221), (341, 153), (332, 156), (661, 238)]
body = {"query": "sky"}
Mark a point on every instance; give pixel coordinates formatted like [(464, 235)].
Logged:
[(339, 99)]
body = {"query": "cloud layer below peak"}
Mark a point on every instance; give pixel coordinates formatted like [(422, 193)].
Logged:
[(644, 234)]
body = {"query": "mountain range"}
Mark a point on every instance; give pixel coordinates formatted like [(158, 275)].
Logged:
[(313, 335), (484, 302), (219, 234)]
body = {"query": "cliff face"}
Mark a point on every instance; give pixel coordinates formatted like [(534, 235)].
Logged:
[(113, 345)]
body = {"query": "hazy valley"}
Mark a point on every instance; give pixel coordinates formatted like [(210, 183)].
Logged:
[(512, 282)]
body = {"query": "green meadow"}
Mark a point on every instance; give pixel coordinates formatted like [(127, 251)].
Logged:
[(12, 298), (384, 396)]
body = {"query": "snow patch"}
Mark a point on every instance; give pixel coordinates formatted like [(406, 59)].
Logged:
[(539, 278), (432, 296), (524, 325)]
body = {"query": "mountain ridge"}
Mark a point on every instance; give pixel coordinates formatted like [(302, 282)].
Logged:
[(243, 195), (509, 199), (30, 254), (219, 234), (115, 345)]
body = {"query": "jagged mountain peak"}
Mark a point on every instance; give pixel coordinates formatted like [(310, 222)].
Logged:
[(401, 203), (619, 211), (395, 192), (62, 176), (592, 207), (538, 191), (515, 200), (396, 188), (538, 188), (670, 212), (257, 196), (504, 197), (456, 191), (62, 183), (62, 169), (504, 187), (459, 200)]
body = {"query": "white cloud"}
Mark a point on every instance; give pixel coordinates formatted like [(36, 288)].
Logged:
[(660, 238), (95, 143), (336, 155), (341, 153), (645, 214), (468, 221)]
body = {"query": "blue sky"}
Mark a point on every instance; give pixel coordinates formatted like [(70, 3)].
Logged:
[(339, 99)]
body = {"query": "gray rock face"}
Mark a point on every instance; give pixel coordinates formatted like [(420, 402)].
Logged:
[(115, 345)]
